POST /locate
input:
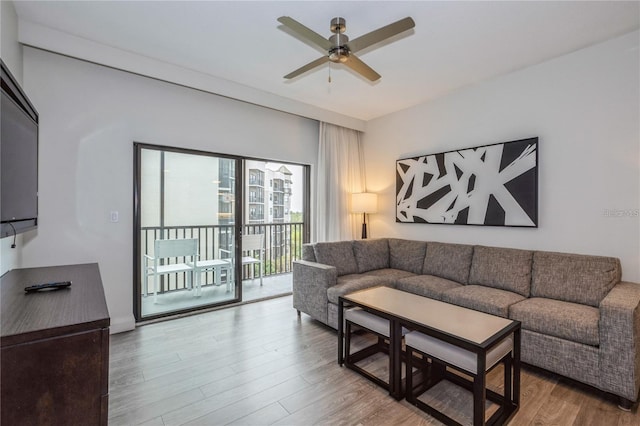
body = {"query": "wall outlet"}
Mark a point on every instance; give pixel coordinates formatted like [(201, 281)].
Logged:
[(114, 216)]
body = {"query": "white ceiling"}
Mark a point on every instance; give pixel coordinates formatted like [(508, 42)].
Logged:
[(454, 44)]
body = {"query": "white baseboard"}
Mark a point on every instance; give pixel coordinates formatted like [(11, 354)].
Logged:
[(122, 324)]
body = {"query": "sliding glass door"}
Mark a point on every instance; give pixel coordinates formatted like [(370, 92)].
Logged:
[(197, 212), (276, 208), (186, 215)]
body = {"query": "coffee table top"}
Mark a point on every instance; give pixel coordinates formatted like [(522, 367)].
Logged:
[(473, 326)]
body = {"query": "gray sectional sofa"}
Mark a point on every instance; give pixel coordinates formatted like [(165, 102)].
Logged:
[(578, 319)]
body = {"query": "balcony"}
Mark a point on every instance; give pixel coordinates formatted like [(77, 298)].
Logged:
[(283, 245), (273, 286), (256, 178)]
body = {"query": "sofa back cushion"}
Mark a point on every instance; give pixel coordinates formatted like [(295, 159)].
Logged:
[(573, 277), (338, 254), (407, 255), (371, 254), (450, 261), (308, 253), (503, 268)]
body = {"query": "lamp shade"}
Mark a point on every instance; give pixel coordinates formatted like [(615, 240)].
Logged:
[(364, 202)]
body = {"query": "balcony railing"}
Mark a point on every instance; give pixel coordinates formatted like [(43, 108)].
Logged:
[(283, 245)]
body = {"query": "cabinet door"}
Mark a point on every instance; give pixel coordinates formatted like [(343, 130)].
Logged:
[(55, 381)]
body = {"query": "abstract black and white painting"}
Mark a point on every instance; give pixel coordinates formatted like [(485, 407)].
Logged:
[(495, 185)]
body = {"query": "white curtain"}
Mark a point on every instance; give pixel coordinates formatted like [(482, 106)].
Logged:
[(340, 173)]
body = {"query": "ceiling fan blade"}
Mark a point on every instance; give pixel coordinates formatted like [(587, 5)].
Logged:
[(380, 34), (305, 32), (361, 68), (307, 67)]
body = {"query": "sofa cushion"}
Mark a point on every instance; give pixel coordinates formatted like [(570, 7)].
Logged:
[(571, 321), (308, 252), (371, 254), (354, 282), (407, 255), (503, 268), (574, 277), (391, 275), (450, 261), (426, 285), (485, 299), (338, 254)]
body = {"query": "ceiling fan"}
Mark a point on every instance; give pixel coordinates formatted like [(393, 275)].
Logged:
[(338, 47)]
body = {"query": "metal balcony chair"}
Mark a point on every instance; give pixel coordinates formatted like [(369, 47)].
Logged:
[(163, 249), (252, 244)]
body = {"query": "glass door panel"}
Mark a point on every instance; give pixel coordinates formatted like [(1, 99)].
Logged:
[(275, 206), (187, 202)]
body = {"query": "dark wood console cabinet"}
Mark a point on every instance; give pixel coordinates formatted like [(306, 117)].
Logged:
[(54, 357)]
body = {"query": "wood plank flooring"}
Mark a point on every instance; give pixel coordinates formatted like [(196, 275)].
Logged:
[(259, 364)]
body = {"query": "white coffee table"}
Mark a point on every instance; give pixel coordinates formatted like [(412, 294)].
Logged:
[(215, 265)]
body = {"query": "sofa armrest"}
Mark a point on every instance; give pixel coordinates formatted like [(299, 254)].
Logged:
[(310, 283), (620, 340)]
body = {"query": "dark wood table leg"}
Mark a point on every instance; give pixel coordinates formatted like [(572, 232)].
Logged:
[(508, 382), (479, 390), (340, 332), (395, 353), (408, 392), (516, 367)]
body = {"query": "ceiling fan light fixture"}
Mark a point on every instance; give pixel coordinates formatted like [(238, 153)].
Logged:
[(339, 54), (340, 51)]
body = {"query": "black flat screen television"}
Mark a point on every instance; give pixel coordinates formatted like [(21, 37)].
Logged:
[(18, 158)]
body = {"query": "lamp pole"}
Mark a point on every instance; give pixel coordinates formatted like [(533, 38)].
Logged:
[(364, 226), (364, 202)]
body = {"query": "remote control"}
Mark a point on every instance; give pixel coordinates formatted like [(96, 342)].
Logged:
[(47, 286)]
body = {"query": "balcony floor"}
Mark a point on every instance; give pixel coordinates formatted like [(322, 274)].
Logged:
[(275, 285)]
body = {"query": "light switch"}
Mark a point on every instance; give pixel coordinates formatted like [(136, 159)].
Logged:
[(115, 216)]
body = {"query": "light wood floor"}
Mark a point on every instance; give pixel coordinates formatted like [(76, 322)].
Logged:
[(259, 364)]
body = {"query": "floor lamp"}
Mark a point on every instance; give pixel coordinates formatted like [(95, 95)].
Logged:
[(365, 203)]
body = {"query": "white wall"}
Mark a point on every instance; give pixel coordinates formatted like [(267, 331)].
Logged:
[(584, 107), (11, 53), (36, 35), (89, 118), (11, 50)]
